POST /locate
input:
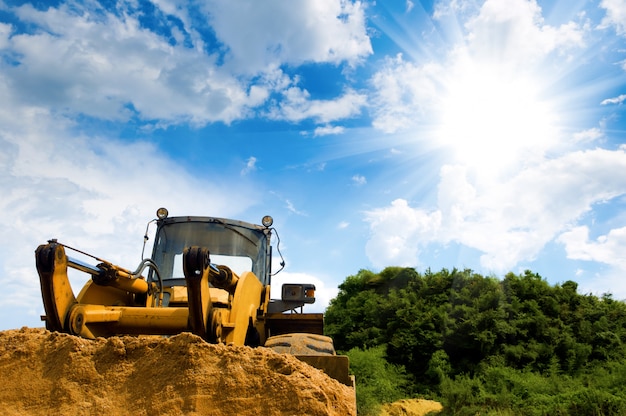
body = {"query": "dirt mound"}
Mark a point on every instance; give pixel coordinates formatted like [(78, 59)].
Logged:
[(44, 373), (414, 407)]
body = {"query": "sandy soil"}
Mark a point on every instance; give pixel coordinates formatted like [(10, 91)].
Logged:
[(414, 407), (43, 373)]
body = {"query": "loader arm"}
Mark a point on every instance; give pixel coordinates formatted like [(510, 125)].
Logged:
[(196, 266), (228, 324), (116, 302), (101, 309), (56, 291)]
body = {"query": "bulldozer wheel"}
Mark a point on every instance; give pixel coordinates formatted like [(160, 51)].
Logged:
[(216, 327), (301, 344)]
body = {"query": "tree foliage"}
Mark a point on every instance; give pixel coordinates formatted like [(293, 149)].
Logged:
[(379, 380), (454, 331)]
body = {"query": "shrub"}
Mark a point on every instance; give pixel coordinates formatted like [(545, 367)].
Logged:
[(377, 381)]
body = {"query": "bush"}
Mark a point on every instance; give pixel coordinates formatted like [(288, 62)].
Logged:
[(594, 402), (500, 390), (377, 381), (462, 396)]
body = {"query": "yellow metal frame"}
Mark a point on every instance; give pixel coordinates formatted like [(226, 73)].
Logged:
[(101, 311)]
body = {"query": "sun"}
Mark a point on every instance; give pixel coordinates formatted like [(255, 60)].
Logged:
[(493, 116)]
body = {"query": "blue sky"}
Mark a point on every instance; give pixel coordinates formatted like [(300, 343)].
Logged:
[(483, 135)]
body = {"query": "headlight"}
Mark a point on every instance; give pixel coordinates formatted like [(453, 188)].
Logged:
[(267, 221), (162, 213), (298, 292)]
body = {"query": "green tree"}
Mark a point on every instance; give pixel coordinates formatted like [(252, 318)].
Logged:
[(512, 346)]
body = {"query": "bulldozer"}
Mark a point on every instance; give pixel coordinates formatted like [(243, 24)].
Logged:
[(208, 276)]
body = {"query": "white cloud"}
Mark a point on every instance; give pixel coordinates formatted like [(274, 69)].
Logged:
[(259, 37), (589, 135), (111, 68), (397, 232), (86, 60), (525, 39), (343, 225), (5, 32), (616, 100), (445, 8), (250, 166), (615, 15), (292, 208), (271, 33), (510, 220), (403, 93), (607, 249), (323, 293), (297, 105), (359, 180), (328, 130)]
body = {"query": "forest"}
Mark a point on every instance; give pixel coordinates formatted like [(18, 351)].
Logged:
[(481, 345)]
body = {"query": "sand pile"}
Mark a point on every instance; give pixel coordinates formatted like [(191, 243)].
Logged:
[(413, 407), (43, 373)]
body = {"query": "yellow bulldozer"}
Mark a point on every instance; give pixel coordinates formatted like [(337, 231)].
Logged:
[(209, 276)]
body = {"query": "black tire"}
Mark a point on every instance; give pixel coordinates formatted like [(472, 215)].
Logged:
[(301, 344)]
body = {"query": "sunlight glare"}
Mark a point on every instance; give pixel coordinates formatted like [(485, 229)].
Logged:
[(493, 117)]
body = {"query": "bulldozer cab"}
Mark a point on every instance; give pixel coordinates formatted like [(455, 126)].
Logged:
[(241, 246)]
